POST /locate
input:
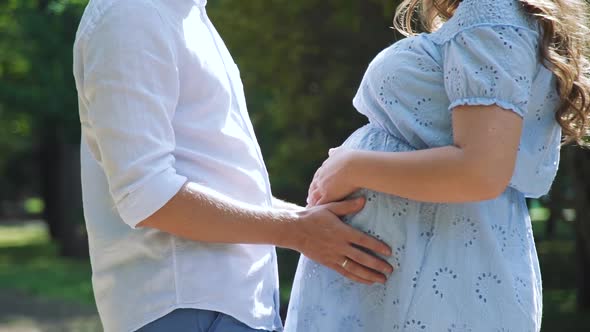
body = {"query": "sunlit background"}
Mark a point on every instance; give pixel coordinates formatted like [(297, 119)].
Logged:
[(301, 62)]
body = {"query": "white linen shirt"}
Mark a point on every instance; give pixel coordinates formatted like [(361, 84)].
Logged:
[(161, 102)]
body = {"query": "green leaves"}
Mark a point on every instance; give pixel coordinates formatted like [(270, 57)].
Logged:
[(36, 60), (301, 62)]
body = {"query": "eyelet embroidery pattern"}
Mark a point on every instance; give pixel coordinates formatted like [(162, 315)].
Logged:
[(455, 80), (415, 279), (375, 297), (410, 43), (459, 328), (342, 287), (400, 207), (350, 321), (484, 283), (500, 30), (428, 213), (490, 73), (424, 119), (374, 234), (539, 111), (519, 286), (525, 83), (427, 65), (517, 236), (442, 275), (386, 86), (312, 269), (415, 325), (473, 12), (466, 230), (427, 230), (398, 254), (501, 236), (373, 142), (311, 314), (401, 119)]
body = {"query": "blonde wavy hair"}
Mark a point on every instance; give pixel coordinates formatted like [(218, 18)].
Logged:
[(565, 49)]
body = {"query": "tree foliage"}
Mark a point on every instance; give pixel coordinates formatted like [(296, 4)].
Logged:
[(301, 63), (38, 108)]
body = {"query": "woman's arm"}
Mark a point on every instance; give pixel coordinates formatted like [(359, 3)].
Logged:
[(283, 205), (477, 167)]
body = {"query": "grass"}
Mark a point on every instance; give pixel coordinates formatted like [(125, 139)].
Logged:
[(29, 262), (557, 259), (34, 205)]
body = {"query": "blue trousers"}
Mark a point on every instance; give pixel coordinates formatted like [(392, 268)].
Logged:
[(194, 320)]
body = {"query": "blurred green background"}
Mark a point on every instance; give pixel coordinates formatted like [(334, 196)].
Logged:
[(301, 62)]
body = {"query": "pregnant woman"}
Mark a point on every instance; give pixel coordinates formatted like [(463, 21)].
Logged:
[(465, 121)]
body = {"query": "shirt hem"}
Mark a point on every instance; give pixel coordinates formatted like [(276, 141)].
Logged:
[(198, 306)]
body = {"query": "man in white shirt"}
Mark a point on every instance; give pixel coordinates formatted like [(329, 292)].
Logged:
[(181, 221)]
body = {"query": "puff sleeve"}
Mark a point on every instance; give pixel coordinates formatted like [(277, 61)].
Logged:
[(491, 64)]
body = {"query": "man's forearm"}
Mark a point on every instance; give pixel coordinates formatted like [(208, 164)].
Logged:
[(201, 214)]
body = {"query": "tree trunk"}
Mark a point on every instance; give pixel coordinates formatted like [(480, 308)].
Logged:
[(60, 188), (75, 244), (49, 166), (583, 275), (578, 165), (555, 206)]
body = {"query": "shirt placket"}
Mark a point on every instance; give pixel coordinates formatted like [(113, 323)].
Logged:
[(247, 124)]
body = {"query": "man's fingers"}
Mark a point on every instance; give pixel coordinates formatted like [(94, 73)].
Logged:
[(351, 276), (346, 207), (364, 273), (370, 261), (368, 242)]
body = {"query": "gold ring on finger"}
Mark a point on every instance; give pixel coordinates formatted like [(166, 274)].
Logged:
[(344, 263)]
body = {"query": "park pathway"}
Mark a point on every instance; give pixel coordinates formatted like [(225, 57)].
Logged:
[(24, 313)]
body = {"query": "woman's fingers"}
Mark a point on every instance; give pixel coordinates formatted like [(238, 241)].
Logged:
[(346, 207), (332, 151), (316, 174), (313, 187), (315, 196), (323, 200), (311, 194)]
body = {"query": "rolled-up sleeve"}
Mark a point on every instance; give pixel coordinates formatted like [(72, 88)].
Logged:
[(131, 88)]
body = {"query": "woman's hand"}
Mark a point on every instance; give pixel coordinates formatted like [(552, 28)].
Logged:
[(333, 181)]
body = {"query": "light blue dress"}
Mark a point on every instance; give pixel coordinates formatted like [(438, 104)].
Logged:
[(459, 267)]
